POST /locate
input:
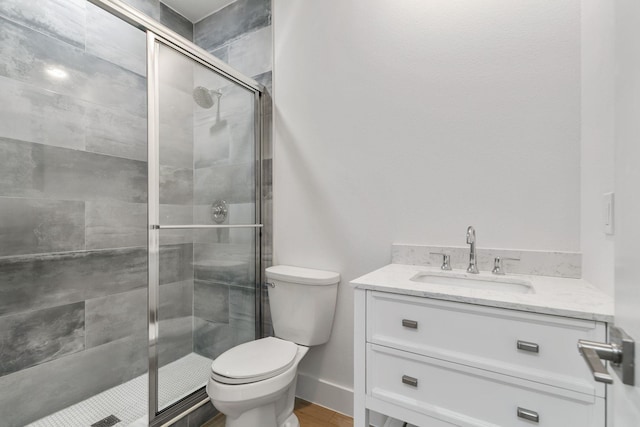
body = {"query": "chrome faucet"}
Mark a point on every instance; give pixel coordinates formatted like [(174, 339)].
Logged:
[(471, 240)]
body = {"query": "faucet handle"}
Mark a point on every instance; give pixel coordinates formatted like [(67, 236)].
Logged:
[(498, 268), (446, 260)]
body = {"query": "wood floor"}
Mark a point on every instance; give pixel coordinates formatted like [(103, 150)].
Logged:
[(310, 415)]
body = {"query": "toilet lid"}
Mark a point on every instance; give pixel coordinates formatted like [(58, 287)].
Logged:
[(254, 361)]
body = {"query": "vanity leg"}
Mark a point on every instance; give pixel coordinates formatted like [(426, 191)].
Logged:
[(361, 419), (360, 412)]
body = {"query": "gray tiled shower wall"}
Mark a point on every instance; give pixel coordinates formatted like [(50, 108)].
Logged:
[(73, 193)]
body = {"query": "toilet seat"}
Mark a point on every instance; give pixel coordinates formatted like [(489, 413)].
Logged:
[(254, 361)]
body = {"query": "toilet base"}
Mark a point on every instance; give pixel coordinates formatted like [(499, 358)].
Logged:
[(292, 421), (262, 417)]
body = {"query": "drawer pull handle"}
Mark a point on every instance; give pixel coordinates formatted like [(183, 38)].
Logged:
[(410, 324), (528, 346), (413, 382), (528, 415)]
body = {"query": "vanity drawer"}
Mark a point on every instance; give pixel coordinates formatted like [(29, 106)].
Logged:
[(466, 396), (533, 346)]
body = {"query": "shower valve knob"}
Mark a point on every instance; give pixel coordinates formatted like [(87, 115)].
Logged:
[(219, 211)]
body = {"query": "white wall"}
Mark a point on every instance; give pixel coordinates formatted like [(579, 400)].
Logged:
[(597, 154), (406, 122)]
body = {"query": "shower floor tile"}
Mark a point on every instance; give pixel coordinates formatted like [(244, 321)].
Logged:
[(128, 401)]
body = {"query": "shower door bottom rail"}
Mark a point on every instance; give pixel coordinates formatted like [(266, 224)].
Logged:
[(186, 227)]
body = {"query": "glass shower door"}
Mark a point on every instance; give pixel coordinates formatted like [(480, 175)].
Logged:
[(204, 237)]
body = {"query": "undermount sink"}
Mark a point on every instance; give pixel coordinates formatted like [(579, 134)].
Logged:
[(502, 284)]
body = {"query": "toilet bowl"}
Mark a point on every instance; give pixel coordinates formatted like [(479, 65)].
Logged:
[(267, 398), (254, 383)]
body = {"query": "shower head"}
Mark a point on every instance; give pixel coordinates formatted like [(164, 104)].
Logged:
[(204, 96)]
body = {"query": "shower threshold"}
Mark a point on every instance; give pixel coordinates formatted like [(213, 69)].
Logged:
[(128, 402)]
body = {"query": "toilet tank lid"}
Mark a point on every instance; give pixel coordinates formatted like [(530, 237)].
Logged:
[(305, 276)]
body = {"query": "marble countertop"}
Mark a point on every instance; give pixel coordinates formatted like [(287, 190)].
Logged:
[(575, 298)]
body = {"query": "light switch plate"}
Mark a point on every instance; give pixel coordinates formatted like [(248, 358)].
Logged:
[(608, 213)]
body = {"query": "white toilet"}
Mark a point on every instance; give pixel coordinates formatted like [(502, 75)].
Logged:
[(254, 384)]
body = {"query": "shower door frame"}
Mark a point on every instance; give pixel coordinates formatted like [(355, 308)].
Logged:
[(159, 34)]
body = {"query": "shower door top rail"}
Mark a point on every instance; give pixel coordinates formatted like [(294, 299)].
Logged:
[(143, 22), (196, 226)]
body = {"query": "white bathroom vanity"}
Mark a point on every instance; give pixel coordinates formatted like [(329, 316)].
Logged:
[(436, 348)]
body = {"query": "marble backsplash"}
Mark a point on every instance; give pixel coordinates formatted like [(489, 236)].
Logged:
[(540, 263)]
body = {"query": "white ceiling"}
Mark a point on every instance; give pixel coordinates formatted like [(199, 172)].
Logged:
[(195, 10)]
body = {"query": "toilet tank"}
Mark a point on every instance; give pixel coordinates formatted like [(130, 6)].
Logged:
[(302, 302)]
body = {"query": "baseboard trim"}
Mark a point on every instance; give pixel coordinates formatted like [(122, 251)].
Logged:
[(332, 396), (324, 393)]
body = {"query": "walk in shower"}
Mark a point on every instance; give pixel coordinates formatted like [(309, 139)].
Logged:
[(131, 215)]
